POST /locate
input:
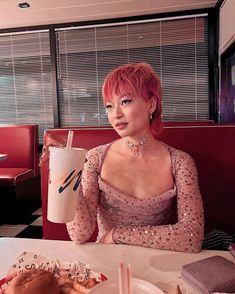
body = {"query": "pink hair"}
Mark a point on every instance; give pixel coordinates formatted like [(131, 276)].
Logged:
[(138, 80)]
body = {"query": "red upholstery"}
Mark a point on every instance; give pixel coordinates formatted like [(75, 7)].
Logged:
[(13, 176), (19, 172), (212, 147), (20, 143), (188, 123)]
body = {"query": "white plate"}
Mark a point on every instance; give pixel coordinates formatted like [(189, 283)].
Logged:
[(138, 287)]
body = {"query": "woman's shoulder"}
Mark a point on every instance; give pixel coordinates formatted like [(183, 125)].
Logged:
[(95, 156), (178, 156), (102, 149), (99, 149)]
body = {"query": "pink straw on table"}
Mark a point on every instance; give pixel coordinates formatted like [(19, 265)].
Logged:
[(124, 274), (69, 139)]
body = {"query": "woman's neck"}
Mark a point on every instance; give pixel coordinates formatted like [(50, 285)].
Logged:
[(141, 146)]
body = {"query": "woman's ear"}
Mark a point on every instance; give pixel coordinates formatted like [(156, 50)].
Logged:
[(153, 104)]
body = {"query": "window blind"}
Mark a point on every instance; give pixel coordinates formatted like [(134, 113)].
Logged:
[(25, 79), (176, 48)]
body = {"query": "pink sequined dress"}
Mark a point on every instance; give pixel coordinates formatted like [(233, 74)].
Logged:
[(171, 221)]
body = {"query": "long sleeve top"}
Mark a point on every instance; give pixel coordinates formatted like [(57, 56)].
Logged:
[(149, 222)]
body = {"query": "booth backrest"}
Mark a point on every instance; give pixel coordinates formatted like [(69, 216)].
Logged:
[(212, 147), (20, 143)]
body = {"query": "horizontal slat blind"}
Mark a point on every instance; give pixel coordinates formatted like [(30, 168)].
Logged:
[(176, 48), (185, 69), (25, 80)]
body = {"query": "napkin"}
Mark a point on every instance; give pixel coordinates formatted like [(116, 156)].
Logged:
[(212, 274), (29, 260)]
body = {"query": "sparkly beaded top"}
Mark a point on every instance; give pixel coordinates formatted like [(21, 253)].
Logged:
[(116, 208), (145, 222)]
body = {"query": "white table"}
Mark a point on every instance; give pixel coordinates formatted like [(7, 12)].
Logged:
[(160, 267)]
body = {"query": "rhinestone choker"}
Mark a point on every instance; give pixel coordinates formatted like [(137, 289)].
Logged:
[(138, 147)]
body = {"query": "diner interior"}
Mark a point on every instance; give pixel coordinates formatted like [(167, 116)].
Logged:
[(54, 56)]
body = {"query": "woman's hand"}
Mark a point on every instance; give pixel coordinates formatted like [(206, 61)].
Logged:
[(108, 237)]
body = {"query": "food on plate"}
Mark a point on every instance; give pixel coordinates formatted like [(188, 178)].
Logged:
[(34, 281), (39, 281), (32, 273), (69, 286)]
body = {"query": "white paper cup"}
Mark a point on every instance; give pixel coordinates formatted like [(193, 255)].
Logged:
[(139, 286), (65, 170)]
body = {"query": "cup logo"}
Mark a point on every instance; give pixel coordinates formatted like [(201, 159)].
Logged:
[(69, 180)]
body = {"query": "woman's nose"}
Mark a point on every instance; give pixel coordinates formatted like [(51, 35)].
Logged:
[(117, 112)]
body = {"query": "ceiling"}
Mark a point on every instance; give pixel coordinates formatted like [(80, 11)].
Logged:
[(42, 12)]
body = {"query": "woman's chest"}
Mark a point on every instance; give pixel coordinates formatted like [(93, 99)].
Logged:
[(138, 179)]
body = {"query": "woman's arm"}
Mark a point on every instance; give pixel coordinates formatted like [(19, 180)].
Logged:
[(84, 223), (187, 234)]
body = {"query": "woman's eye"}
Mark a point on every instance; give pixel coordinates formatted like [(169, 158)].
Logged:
[(126, 101), (108, 108)]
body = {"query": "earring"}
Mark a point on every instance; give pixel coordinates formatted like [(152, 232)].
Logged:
[(150, 116)]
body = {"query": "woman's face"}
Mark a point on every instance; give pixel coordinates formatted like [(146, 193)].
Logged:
[(129, 116)]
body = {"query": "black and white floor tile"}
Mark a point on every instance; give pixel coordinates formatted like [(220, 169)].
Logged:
[(28, 226)]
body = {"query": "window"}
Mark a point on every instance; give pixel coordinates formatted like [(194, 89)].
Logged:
[(176, 48), (25, 79)]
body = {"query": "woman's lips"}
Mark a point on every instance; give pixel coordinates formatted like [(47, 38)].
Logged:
[(120, 126)]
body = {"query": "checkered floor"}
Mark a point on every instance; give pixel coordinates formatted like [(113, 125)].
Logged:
[(28, 226)]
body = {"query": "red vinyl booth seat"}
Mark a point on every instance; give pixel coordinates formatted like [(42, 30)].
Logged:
[(20, 143), (212, 147), (12, 176), (20, 170)]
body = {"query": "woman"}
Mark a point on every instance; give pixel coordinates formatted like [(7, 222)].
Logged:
[(140, 190)]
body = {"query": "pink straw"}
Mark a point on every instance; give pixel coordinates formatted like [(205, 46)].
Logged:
[(124, 274), (69, 139)]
